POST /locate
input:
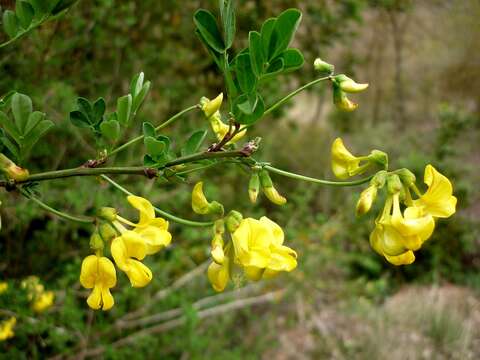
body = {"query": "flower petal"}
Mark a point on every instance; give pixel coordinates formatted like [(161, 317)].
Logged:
[(147, 212), (405, 258), (89, 271)]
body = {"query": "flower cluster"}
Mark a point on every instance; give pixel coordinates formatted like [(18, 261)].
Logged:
[(211, 109), (40, 299), (255, 247), (405, 223), (6, 328), (128, 248)]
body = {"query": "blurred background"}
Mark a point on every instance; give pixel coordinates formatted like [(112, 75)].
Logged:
[(344, 301)]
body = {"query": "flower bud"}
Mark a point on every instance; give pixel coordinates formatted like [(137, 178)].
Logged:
[(217, 249), (367, 197), (200, 204), (394, 185), (379, 157), (11, 170), (407, 177), (233, 220), (323, 67), (210, 107), (107, 213), (254, 187), (341, 101), (348, 85), (269, 190), (107, 232), (379, 179), (96, 242)]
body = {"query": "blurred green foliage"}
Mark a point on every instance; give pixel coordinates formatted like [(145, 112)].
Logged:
[(95, 50)]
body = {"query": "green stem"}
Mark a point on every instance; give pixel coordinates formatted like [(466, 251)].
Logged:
[(158, 128), (317, 181), (58, 212), (294, 93), (159, 211)]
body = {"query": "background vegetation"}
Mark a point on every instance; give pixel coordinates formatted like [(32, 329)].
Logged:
[(344, 301)]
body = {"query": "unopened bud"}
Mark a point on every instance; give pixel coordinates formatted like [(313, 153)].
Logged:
[(107, 213), (233, 220), (12, 170), (341, 100), (349, 85), (269, 190), (367, 197), (107, 232), (96, 242), (323, 67), (210, 107), (200, 204), (217, 252), (254, 187), (394, 185), (379, 179), (407, 177), (379, 157)]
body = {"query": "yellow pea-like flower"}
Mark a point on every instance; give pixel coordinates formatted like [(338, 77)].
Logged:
[(341, 100), (221, 129), (201, 205), (128, 250), (344, 163), (219, 274), (43, 301), (269, 190), (259, 248), (210, 107), (438, 200), (386, 241), (6, 328), (98, 273), (367, 197)]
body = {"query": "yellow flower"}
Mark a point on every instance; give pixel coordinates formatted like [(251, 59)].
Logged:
[(219, 274), (3, 287), (259, 249), (153, 230), (367, 197), (349, 85), (200, 204), (210, 107), (6, 329), (344, 164), (221, 129), (43, 301), (386, 241), (438, 200), (341, 100), (98, 273), (269, 190), (128, 250)]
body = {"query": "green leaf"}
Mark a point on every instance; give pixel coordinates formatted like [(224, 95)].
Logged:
[(62, 5), (241, 116), (194, 142), (137, 84), (21, 109), (256, 52), (285, 28), (40, 130), (207, 26), (249, 104), (215, 55), (275, 68), (124, 108), (9, 126), (267, 30), (13, 148), (85, 107), (138, 100), (227, 10), (293, 59), (245, 76), (33, 120), (154, 147), (6, 100), (10, 24), (98, 111), (40, 6), (25, 13), (149, 130), (110, 130), (148, 161), (79, 119)]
